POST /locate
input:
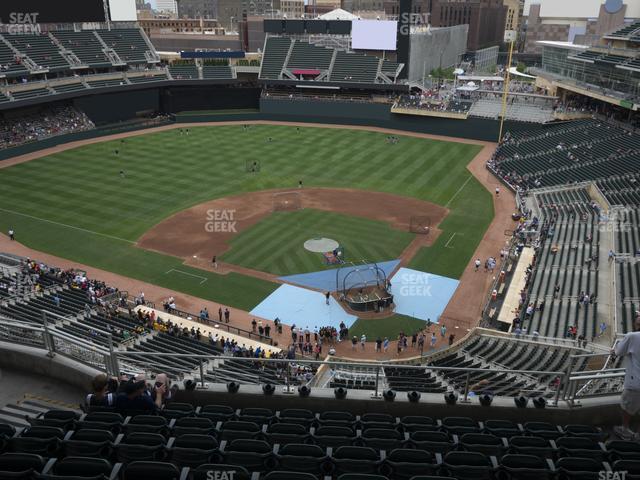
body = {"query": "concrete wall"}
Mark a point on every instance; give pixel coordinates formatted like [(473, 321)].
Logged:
[(425, 49), (35, 361)]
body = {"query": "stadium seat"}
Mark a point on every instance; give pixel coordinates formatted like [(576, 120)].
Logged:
[(193, 426), (64, 419), (111, 421), (154, 470), (439, 442), (77, 468), (217, 413), (303, 458), (469, 465), (336, 419), (260, 416), (177, 410), (416, 423), (377, 420), (580, 447), (355, 460), (282, 475), (88, 443), (382, 438), (20, 466), (403, 464), (588, 431), (255, 455), (39, 440), (483, 443), (361, 476), (334, 436), (502, 428), (147, 447), (579, 468), (538, 446), (543, 429), (526, 467), (623, 450), (193, 450), (460, 425), (297, 415), (233, 430), (146, 424), (284, 433), (631, 467)]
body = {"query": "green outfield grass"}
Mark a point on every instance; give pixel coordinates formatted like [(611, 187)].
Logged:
[(275, 244), (74, 204), (386, 327)]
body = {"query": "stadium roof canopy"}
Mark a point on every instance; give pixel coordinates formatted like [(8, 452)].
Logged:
[(338, 14)]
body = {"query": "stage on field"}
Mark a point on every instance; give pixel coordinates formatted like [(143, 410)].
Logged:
[(421, 295), (302, 307)]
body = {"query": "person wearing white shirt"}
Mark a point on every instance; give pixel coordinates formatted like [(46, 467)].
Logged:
[(629, 349)]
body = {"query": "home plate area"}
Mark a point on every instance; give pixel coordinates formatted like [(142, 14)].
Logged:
[(416, 294)]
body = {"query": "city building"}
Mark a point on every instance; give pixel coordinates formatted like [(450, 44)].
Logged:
[(579, 21), (292, 8), (167, 6), (512, 24), (437, 48), (486, 20), (198, 9), (313, 8), (231, 12)]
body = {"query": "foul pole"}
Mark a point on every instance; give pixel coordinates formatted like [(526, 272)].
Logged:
[(506, 91)]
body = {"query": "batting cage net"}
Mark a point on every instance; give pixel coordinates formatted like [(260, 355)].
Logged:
[(420, 224), (360, 275), (287, 201), (253, 166)]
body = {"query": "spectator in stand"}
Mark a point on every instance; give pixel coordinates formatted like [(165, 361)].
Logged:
[(135, 398), (629, 349), (46, 123), (103, 392)]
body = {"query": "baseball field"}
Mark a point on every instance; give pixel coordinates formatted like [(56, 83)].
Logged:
[(94, 204)]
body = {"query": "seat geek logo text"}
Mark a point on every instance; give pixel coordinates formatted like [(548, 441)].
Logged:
[(21, 23)]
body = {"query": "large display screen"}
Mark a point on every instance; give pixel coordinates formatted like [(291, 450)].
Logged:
[(374, 35), (49, 11), (122, 10)]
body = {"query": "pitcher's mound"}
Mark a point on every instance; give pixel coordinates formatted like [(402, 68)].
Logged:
[(321, 245)]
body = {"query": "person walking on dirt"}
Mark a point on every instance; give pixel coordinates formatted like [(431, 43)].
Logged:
[(214, 262), (220, 314), (227, 314), (12, 234), (478, 263)]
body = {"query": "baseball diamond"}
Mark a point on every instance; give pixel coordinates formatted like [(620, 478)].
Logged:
[(274, 241)]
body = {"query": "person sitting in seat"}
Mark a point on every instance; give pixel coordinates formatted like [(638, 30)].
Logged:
[(103, 392)]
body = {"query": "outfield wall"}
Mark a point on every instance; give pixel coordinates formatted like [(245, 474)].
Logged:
[(110, 112)]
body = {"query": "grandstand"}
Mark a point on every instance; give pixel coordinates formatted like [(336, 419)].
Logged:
[(246, 400), (288, 58)]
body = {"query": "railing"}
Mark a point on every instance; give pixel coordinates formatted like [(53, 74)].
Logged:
[(570, 388), (55, 342), (221, 325)]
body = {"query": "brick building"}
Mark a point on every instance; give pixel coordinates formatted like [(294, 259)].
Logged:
[(486, 19)]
